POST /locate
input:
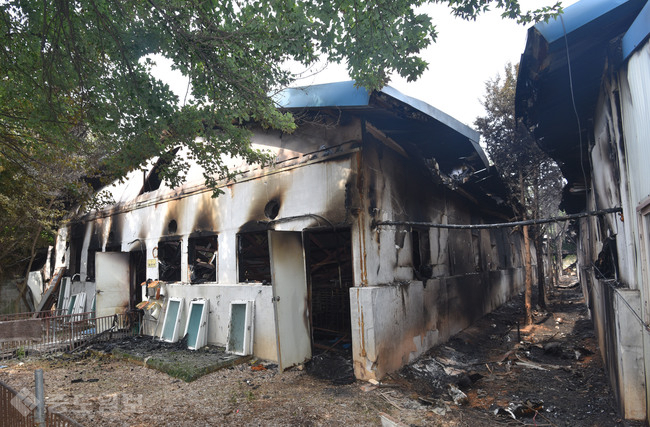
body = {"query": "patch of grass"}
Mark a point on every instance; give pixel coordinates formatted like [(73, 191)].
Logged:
[(180, 369)]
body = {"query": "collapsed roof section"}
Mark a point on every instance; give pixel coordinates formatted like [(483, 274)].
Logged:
[(559, 81), (417, 127)]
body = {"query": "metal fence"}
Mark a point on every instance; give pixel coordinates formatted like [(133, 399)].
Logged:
[(18, 410), (66, 332), (32, 315)]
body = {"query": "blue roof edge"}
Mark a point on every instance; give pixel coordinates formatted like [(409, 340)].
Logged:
[(442, 117), (638, 32), (339, 94), (347, 95), (433, 112), (576, 16)]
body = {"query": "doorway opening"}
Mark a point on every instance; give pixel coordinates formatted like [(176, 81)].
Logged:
[(329, 270), (138, 270), (329, 266)]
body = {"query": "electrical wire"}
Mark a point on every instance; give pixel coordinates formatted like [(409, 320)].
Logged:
[(573, 101)]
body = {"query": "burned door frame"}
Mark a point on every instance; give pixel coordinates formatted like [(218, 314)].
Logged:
[(290, 297)]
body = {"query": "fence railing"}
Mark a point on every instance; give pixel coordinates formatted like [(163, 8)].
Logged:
[(64, 332), (17, 409), (32, 315)]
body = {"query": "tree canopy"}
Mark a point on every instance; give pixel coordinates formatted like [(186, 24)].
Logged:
[(535, 180), (79, 106)]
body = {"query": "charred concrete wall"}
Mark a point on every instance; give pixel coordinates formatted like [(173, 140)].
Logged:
[(413, 288), (309, 185), (412, 297)]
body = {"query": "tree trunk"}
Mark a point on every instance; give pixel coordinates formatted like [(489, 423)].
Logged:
[(31, 260), (541, 274), (558, 257), (528, 294), (528, 282)]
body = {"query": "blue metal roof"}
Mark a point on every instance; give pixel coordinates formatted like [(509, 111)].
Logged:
[(436, 134), (638, 33), (339, 94), (345, 94), (562, 65), (433, 112), (576, 17)]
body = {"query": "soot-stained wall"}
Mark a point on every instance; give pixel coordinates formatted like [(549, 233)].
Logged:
[(324, 177), (396, 313)]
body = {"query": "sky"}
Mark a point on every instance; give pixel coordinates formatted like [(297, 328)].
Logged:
[(466, 55)]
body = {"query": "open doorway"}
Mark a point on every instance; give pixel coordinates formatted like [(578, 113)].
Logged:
[(329, 269), (138, 261)]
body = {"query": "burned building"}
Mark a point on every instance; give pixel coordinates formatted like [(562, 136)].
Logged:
[(584, 86), (292, 256)]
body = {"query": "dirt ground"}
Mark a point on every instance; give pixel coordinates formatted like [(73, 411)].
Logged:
[(490, 374)]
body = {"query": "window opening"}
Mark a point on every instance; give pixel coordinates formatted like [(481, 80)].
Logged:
[(421, 254), (75, 249), (254, 257), (90, 269), (169, 260), (153, 180), (138, 263), (203, 259)]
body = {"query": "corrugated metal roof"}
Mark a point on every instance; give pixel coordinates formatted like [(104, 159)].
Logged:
[(638, 33), (408, 121)]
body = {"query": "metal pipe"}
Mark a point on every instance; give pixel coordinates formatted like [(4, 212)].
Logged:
[(39, 416), (498, 225)]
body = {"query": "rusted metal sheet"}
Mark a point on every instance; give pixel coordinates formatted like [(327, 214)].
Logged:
[(29, 329)]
